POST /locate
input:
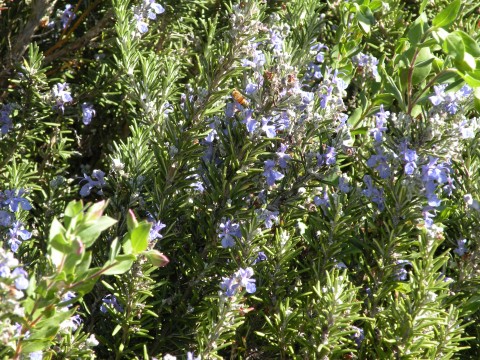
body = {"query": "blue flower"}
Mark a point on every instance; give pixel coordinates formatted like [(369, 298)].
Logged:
[(241, 279), (322, 201), (87, 113), (91, 183), (250, 122), (439, 96), (282, 156), (401, 273), (251, 88), (15, 201), (380, 128), (62, 95), (21, 278), (17, 231), (141, 25), (269, 130), (5, 120), (343, 185), (329, 158), (154, 9), (36, 355), (270, 217), (260, 257), (270, 174), (228, 232), (67, 16), (358, 336), (461, 249), (155, 230), (110, 300), (244, 277)]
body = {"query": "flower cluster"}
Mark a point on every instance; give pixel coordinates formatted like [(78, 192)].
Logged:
[(13, 281), (97, 180), (450, 101), (147, 10), (239, 280), (367, 64), (11, 202)]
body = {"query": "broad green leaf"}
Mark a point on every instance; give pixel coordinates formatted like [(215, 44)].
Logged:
[(90, 231), (471, 45), (423, 66), (448, 15), (73, 209), (453, 46), (417, 29), (355, 117), (120, 265), (365, 18), (56, 228), (139, 237), (96, 210)]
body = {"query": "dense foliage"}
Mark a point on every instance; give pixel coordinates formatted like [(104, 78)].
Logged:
[(256, 179)]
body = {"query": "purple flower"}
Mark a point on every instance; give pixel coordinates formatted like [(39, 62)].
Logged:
[(241, 279), (401, 273), (155, 230), (439, 96), (67, 16), (21, 278), (17, 231), (260, 257), (36, 355), (91, 183), (245, 280), (329, 158), (228, 232), (380, 163), (268, 129), (358, 336), (410, 156), (141, 25), (380, 128), (5, 218), (373, 193), (270, 217), (62, 95), (15, 201), (229, 285), (461, 250), (110, 300), (251, 88), (270, 174), (322, 201), (154, 9), (251, 123), (69, 295), (367, 63), (87, 113), (282, 156), (325, 97), (258, 60), (5, 120), (343, 185), (466, 131), (464, 92)]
